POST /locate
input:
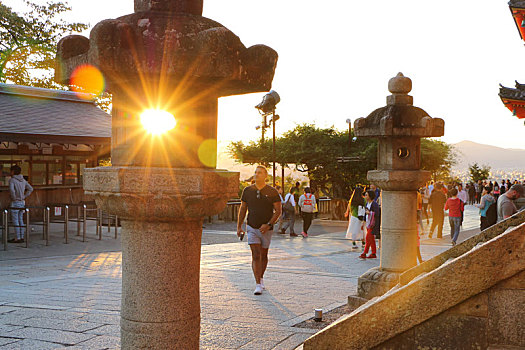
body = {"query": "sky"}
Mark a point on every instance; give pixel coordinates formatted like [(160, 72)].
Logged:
[(336, 57)]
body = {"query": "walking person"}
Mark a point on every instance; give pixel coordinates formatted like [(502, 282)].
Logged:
[(495, 191), (307, 205), (419, 223), (263, 205), (486, 200), (297, 194), (502, 188), (454, 205), (283, 218), (463, 196), (19, 190), (356, 214), (373, 223), (437, 203), (471, 194), (289, 212), (425, 193), (479, 189)]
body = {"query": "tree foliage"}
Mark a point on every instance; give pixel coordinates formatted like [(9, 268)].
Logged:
[(478, 173), (437, 157), (314, 151), (28, 42), (318, 152)]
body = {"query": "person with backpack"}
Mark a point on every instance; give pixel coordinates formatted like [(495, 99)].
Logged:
[(487, 199), (289, 212), (307, 204)]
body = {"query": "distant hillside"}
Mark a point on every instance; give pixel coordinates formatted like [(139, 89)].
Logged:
[(497, 158)]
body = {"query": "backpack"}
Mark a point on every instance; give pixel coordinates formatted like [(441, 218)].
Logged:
[(308, 204), (288, 206), (492, 214)]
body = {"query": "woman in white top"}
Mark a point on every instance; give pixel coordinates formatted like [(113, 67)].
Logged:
[(356, 214)]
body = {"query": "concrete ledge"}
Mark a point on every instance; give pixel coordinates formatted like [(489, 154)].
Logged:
[(404, 307)]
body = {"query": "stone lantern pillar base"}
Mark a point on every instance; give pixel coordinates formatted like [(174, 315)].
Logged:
[(398, 229), (161, 211), (376, 282)]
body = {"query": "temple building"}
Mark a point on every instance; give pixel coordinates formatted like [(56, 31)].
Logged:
[(514, 98), (53, 136)]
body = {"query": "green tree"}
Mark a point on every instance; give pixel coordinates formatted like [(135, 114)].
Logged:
[(315, 151), (437, 157), (479, 172), (318, 152), (28, 42)]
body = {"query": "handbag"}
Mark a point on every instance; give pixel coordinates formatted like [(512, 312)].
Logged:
[(288, 206), (361, 213)]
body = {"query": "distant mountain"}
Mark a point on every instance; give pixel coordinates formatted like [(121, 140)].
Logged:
[(497, 158)]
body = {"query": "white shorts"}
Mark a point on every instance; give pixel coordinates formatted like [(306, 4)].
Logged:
[(256, 237)]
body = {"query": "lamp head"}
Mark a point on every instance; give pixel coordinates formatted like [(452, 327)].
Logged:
[(268, 102)]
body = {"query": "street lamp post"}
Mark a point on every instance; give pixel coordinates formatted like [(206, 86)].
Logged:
[(267, 107), (273, 145), (349, 122)]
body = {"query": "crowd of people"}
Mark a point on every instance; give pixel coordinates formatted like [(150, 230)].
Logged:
[(493, 199), (267, 206)]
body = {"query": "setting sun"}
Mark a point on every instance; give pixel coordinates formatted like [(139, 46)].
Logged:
[(157, 121)]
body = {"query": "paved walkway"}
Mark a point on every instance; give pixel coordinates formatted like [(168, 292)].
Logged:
[(68, 296)]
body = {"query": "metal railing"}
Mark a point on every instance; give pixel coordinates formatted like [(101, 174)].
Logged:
[(82, 216), (231, 212), (4, 228)]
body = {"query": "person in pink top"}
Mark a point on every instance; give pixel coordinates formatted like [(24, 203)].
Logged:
[(455, 206)]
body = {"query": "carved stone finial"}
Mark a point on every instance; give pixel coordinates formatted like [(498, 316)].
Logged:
[(400, 84)]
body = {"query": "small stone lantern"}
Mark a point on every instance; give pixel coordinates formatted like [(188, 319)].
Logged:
[(165, 56), (399, 127)]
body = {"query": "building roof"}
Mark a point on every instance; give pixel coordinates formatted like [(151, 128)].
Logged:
[(29, 114), (517, 3), (514, 99), (517, 93)]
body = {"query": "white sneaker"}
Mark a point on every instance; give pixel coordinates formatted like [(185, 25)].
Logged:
[(258, 289), (262, 284)]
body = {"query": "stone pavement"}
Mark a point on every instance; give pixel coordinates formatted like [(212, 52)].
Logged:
[(68, 296)]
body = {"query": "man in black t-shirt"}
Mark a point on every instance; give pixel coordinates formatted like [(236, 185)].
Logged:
[(264, 208)]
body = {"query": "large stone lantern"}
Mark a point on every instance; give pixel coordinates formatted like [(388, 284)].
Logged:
[(399, 127), (164, 56)]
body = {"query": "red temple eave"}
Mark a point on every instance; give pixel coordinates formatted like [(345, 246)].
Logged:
[(519, 18), (517, 107)]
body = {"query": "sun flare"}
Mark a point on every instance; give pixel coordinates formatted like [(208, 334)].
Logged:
[(157, 121)]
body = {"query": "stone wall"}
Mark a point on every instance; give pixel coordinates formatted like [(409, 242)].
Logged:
[(472, 301), (493, 319)]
